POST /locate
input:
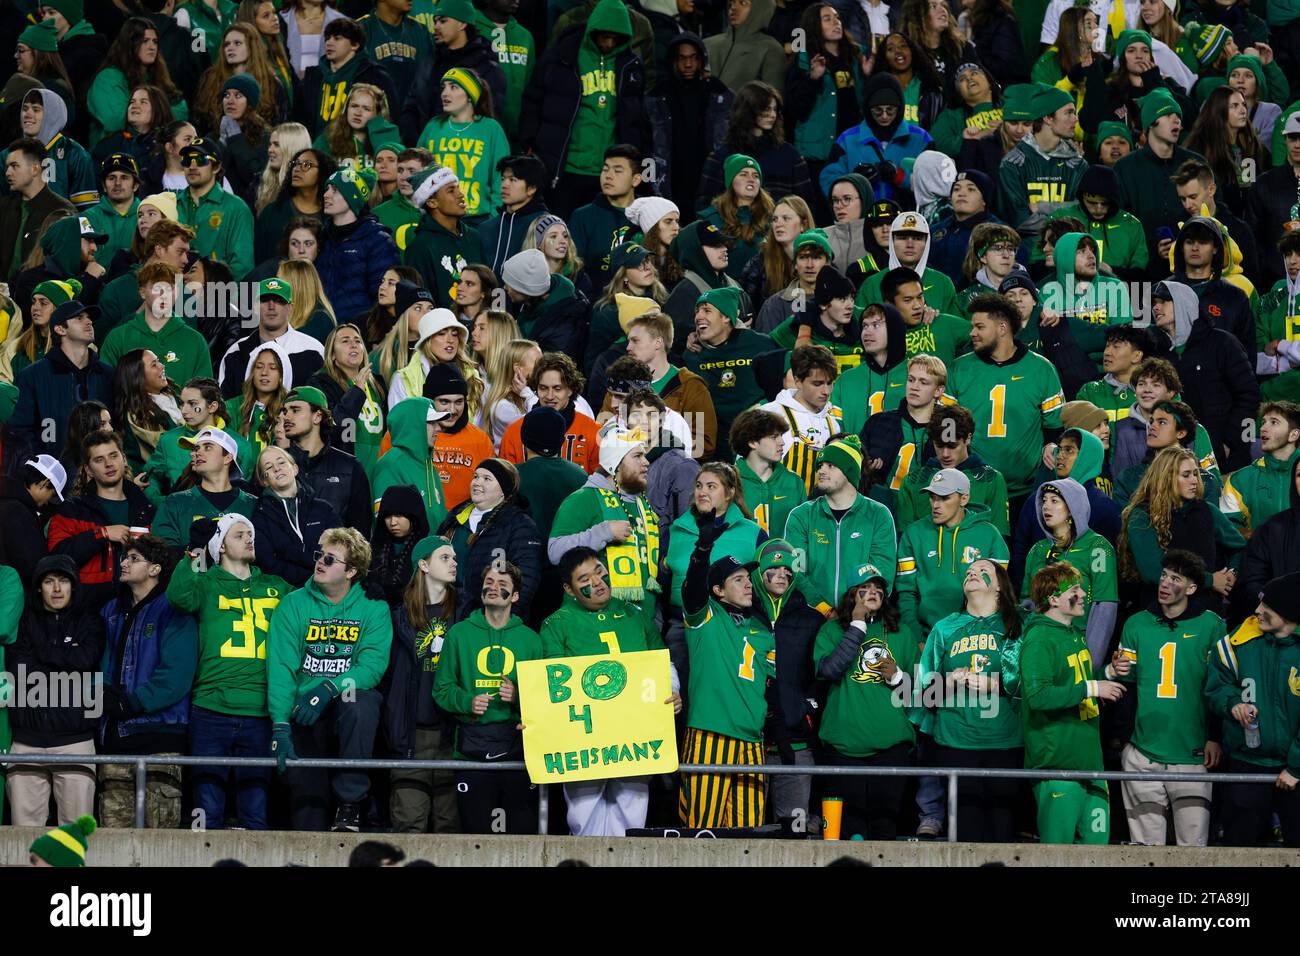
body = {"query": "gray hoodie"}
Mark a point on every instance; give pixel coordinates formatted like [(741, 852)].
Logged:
[(56, 114), (1187, 307)]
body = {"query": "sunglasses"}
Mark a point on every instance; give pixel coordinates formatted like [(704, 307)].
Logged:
[(195, 159), (327, 559), (303, 165)]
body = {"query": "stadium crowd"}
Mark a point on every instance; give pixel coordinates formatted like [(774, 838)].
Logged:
[(924, 377)]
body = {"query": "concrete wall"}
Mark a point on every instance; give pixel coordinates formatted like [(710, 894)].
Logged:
[(199, 848)]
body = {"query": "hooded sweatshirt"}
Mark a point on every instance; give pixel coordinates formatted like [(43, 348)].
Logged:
[(807, 432), (932, 177), (1227, 304), (68, 168), (472, 154), (698, 277), (940, 294), (987, 488), (740, 540), (594, 125), (872, 146), (1118, 233), (313, 639), (1030, 174), (409, 462), (1090, 554), (740, 54), (862, 717), (1092, 305), (1059, 710), (1279, 321), (772, 500), (517, 56), (933, 560), (869, 388), (503, 235), (440, 254)]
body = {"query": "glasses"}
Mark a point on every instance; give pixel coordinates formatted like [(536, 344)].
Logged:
[(1002, 247), (303, 165), (842, 200), (133, 558), (196, 160), (329, 560), (884, 110)]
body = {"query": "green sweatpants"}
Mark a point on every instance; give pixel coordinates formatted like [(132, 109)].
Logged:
[(1071, 811)]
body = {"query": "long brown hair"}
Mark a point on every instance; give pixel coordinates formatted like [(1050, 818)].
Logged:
[(124, 56), (1007, 609), (730, 478), (343, 143), (888, 614), (1209, 137), (760, 214), (751, 99), (208, 98), (1159, 497), (913, 19), (778, 266), (1069, 48), (414, 596)]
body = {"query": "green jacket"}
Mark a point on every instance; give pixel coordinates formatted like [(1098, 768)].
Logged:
[(234, 617), (1058, 706), (621, 628), (180, 509), (438, 255), (932, 563), (409, 462), (987, 488), (969, 720), (862, 717), (771, 501), (1268, 666), (517, 56), (472, 154), (1258, 491), (118, 226), (313, 639), (1278, 319), (815, 135), (1120, 238), (223, 227), (179, 346), (69, 171), (109, 94), (476, 658), (836, 552), (740, 540)]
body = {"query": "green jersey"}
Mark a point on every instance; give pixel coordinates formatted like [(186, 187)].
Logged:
[(964, 717), (731, 662), (234, 617), (771, 500), (864, 391), (862, 716), (1091, 555), (1108, 393), (1058, 706), (620, 628), (1028, 176), (1012, 403), (1170, 658)]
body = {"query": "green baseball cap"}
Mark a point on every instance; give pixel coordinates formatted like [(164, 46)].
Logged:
[(275, 288), (312, 396)]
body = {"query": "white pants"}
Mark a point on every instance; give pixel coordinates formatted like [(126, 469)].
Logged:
[(1147, 804), (607, 808)]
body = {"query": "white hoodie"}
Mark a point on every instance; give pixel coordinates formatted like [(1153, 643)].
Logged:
[(810, 428)]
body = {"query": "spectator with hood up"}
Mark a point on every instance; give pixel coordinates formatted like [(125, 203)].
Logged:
[(68, 168), (1120, 240), (878, 146), (743, 51), (1207, 260)]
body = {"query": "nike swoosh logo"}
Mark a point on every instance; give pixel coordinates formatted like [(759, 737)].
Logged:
[(1016, 378), (895, 385), (505, 753), (1189, 635), (779, 497)]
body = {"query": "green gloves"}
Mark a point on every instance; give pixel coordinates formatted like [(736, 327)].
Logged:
[(282, 744), (313, 703)]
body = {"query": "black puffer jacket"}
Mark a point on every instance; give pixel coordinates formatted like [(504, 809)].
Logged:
[(425, 99), (52, 643), (287, 533), (1274, 548), (552, 99), (390, 558), (339, 480), (346, 405), (508, 530), (22, 543)]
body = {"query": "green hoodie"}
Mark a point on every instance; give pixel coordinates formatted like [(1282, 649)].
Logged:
[(728, 372), (987, 487), (180, 347), (836, 552), (1058, 706), (969, 720), (399, 216), (234, 624), (107, 99), (472, 154), (118, 226), (595, 124), (1092, 305), (740, 540), (862, 717), (1278, 319), (1250, 661), (1110, 395), (476, 658), (620, 628), (313, 640), (439, 255), (409, 461), (932, 563), (180, 509), (774, 499), (1120, 237), (211, 24), (1258, 491), (517, 57)]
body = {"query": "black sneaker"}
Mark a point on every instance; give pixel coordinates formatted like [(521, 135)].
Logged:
[(347, 819)]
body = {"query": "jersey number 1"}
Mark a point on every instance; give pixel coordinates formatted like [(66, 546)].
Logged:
[(997, 421)]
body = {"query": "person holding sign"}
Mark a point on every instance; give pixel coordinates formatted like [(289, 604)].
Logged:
[(592, 621), (475, 683), (732, 656)]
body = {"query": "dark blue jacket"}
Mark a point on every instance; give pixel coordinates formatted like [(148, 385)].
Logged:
[(47, 392), (948, 241), (151, 651), (351, 263), (285, 544)]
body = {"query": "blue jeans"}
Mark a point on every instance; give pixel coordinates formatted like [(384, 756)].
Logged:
[(931, 792), (228, 735)]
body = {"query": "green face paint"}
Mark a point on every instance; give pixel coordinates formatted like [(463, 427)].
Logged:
[(585, 590), (988, 580)]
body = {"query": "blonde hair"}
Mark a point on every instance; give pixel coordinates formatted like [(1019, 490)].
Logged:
[(1158, 495), (572, 263), (618, 283), (933, 365), (469, 369), (330, 365), (501, 373), (778, 267), (293, 139), (308, 293), (396, 339), (261, 478), (355, 548), (339, 137), (502, 329)]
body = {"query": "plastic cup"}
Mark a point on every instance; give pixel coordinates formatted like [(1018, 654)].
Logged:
[(832, 815)]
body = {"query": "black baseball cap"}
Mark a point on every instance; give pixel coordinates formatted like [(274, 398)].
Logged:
[(724, 568)]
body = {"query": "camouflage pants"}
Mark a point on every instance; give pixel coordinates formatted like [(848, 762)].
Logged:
[(162, 796)]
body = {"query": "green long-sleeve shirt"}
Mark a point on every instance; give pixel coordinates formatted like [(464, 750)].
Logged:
[(472, 154), (476, 659), (107, 99), (223, 227), (1059, 711), (862, 717), (772, 500)]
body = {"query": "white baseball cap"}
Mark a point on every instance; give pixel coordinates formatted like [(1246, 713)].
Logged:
[(49, 466), (215, 436)]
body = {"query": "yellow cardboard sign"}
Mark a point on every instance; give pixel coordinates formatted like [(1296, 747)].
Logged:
[(592, 718)]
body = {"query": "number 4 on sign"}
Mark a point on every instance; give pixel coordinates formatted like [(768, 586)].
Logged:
[(583, 716)]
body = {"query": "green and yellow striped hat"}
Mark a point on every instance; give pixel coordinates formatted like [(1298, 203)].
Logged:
[(65, 845), (845, 453), (466, 80), (58, 291)]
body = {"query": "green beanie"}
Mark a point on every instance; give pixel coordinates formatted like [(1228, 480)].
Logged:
[(73, 10), (1127, 38), (66, 845), (775, 553), (1207, 41), (1243, 62), (845, 453), (383, 136), (726, 300), (815, 237), (461, 10), (58, 291), (43, 36), (355, 186), (734, 163), (1156, 104), (1017, 102), (425, 548), (1047, 100), (1109, 128), (863, 573), (246, 84)]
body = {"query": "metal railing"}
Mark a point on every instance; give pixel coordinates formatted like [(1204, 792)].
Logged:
[(952, 774)]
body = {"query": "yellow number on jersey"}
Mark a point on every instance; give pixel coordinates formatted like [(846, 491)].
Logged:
[(876, 402), (747, 663), (610, 639), (905, 455), (997, 423), (1167, 689), (247, 626)]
